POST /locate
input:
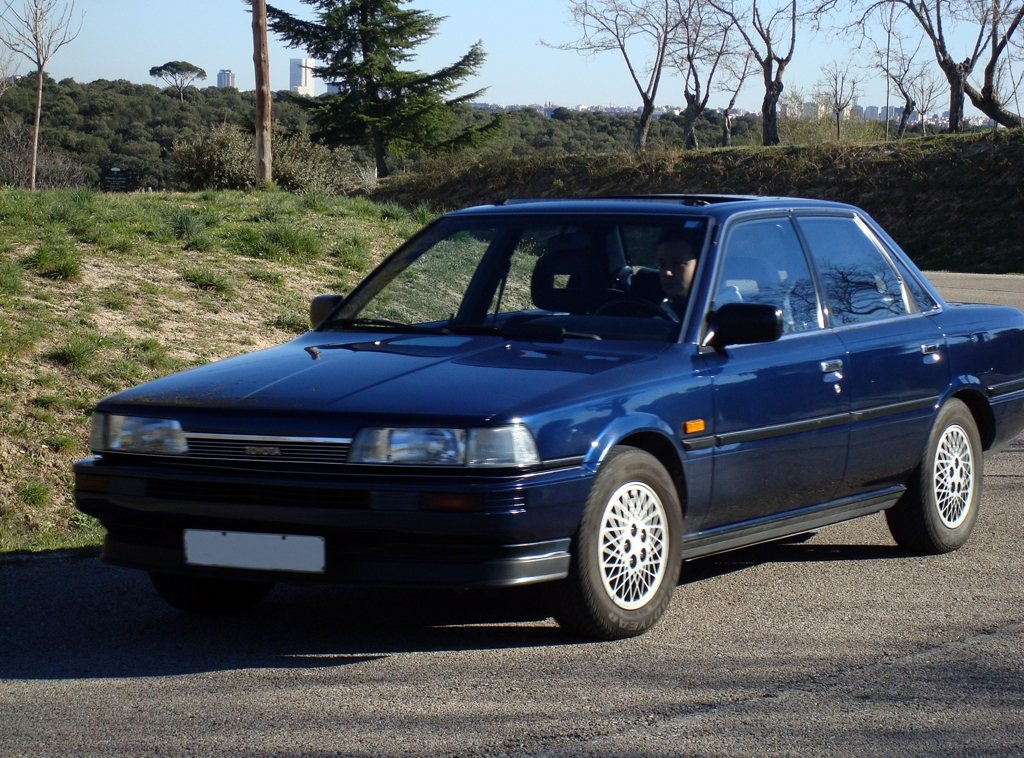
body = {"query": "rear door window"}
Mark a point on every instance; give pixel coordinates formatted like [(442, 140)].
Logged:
[(858, 279)]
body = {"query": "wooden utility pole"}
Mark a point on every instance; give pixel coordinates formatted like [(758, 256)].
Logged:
[(261, 58)]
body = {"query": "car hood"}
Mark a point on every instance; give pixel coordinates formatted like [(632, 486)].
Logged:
[(411, 376)]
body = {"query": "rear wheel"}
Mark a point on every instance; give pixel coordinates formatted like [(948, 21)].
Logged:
[(200, 594), (626, 551), (938, 511)]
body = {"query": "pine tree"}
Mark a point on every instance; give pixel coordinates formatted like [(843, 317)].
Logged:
[(361, 45)]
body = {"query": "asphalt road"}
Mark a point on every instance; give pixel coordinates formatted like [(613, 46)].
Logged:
[(838, 646)]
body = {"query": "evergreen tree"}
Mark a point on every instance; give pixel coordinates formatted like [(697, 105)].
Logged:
[(361, 45)]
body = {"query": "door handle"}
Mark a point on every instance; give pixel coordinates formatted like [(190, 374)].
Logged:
[(929, 349), (828, 367)]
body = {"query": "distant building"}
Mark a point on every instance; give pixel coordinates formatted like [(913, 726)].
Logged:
[(857, 112), (783, 110), (226, 78), (814, 110), (872, 112), (302, 76)]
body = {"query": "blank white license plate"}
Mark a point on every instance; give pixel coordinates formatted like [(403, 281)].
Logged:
[(271, 552)]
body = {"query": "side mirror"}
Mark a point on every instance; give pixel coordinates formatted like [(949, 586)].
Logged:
[(322, 307), (742, 324)]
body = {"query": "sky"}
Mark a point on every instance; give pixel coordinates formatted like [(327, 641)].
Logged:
[(123, 39)]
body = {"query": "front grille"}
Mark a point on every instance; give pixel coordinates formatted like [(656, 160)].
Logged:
[(257, 449), (257, 494)]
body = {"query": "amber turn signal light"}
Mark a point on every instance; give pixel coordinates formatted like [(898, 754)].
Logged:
[(691, 427), (457, 503), (92, 483)]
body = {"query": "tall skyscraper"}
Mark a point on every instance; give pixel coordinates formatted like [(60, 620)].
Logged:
[(302, 76), (226, 78)]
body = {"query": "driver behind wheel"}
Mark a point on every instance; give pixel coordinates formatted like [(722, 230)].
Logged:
[(677, 262)]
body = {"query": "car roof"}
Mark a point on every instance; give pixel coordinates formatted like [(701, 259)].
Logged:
[(717, 206)]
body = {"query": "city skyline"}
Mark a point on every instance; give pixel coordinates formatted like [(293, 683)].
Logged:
[(122, 39)]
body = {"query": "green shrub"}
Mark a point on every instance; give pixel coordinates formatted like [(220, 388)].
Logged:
[(63, 443), (424, 214), (392, 212), (55, 260), (10, 278), (269, 210), (292, 322), (34, 493), (201, 242), (185, 222), (267, 277), (277, 242), (205, 278), (115, 299), (225, 158), (78, 351), (153, 354), (352, 252)]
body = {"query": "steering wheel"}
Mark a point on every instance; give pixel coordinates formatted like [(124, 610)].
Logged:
[(655, 310)]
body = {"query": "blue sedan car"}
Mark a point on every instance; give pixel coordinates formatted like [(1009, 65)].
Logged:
[(522, 393)]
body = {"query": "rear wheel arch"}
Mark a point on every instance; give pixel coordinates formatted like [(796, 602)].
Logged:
[(980, 409)]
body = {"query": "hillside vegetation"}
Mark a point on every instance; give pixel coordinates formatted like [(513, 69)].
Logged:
[(101, 292), (952, 202)]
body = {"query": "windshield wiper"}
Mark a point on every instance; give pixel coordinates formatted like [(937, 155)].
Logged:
[(385, 324)]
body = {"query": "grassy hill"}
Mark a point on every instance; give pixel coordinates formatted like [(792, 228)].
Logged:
[(952, 202), (100, 292)]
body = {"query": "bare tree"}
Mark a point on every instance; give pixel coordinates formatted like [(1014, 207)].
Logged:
[(612, 25), (37, 32), (7, 69), (838, 88), (927, 88), (697, 53), (738, 74), (764, 30), (991, 23), (896, 62), (261, 60)]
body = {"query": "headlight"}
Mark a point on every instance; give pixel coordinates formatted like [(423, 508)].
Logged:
[(502, 446), (133, 434)]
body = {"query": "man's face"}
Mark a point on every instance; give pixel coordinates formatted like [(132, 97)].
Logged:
[(676, 263)]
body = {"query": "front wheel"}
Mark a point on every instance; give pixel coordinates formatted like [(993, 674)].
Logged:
[(938, 511), (626, 551), (200, 594)]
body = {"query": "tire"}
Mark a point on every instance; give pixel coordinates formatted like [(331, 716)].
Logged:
[(199, 594), (626, 551), (940, 507)]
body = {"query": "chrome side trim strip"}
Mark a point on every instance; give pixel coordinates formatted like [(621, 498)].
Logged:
[(891, 410), (1004, 388)]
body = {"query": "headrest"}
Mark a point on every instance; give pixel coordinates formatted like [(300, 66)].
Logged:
[(569, 280)]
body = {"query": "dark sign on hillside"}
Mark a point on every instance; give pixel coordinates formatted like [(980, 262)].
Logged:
[(114, 180)]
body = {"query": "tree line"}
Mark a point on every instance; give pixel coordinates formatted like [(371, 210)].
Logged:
[(136, 127)]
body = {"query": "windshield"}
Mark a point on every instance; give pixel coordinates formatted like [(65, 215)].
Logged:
[(540, 276)]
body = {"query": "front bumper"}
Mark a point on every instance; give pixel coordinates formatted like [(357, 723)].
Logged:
[(374, 528)]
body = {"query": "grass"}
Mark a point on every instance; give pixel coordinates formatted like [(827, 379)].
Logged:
[(78, 351), (206, 278), (54, 260), (103, 292)]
